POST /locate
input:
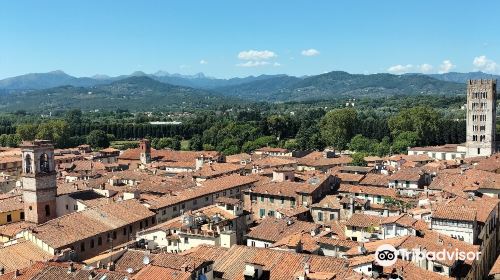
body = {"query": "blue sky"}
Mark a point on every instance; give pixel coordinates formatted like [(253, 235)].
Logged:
[(238, 38)]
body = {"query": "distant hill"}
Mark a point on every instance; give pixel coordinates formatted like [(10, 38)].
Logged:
[(463, 77), (133, 93), (140, 91), (35, 81), (45, 80), (338, 84)]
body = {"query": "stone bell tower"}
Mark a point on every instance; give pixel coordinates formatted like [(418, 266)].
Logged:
[(39, 181), (481, 117)]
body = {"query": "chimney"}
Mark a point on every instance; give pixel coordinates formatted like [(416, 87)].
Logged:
[(2, 270), (17, 273), (71, 268)]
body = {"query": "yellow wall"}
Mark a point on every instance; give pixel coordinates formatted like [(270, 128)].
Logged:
[(16, 216), (358, 233)]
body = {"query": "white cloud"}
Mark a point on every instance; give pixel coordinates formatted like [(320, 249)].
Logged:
[(310, 52), (446, 66), (251, 63), (277, 64), (203, 61), (184, 66), (425, 68), (256, 55), (400, 69), (482, 63)]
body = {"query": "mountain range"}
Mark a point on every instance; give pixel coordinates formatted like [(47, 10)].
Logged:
[(164, 91)]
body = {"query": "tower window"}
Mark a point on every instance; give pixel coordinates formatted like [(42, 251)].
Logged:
[(27, 164), (44, 163), (478, 151), (47, 210)]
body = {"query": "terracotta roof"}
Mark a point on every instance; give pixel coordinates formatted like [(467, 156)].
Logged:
[(10, 230), (409, 174), (454, 212), (436, 242), (350, 177), (12, 203), (329, 201), (304, 240), (373, 179), (372, 246), (272, 229), (447, 148), (321, 161), (363, 220), (278, 264), (152, 272), (491, 164), (68, 229), (345, 188), (496, 267), (21, 255), (402, 220), (209, 170), (206, 252), (408, 270), (272, 150)]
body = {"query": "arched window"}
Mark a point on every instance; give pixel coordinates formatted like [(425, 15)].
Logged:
[(47, 210), (27, 164), (44, 163)]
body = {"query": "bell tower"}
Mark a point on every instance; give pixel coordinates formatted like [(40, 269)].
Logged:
[(145, 147), (39, 181)]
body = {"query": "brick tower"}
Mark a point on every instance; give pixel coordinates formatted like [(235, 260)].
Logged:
[(39, 181)]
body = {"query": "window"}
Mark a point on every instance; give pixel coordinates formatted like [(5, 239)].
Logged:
[(186, 240), (75, 207), (114, 234), (320, 216), (99, 241), (27, 164), (82, 246), (195, 202), (124, 231), (262, 212), (47, 210), (22, 215), (206, 198), (253, 243), (175, 208), (271, 213), (164, 212), (271, 199), (478, 151), (282, 200), (92, 243), (67, 207), (183, 206), (262, 199), (153, 220), (292, 202), (44, 163), (437, 268), (332, 217), (9, 218), (140, 225)]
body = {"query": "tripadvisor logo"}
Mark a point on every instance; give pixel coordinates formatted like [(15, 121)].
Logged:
[(387, 255)]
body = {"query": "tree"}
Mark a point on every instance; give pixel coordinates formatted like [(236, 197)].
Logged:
[(338, 126), (56, 131), (74, 117), (404, 140), (196, 143), (358, 159), (98, 139), (27, 132), (359, 143), (424, 121)]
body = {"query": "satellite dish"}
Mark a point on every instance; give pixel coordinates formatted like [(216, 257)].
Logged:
[(130, 270), (146, 260)]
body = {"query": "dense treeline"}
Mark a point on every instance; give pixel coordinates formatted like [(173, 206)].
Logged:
[(363, 129)]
